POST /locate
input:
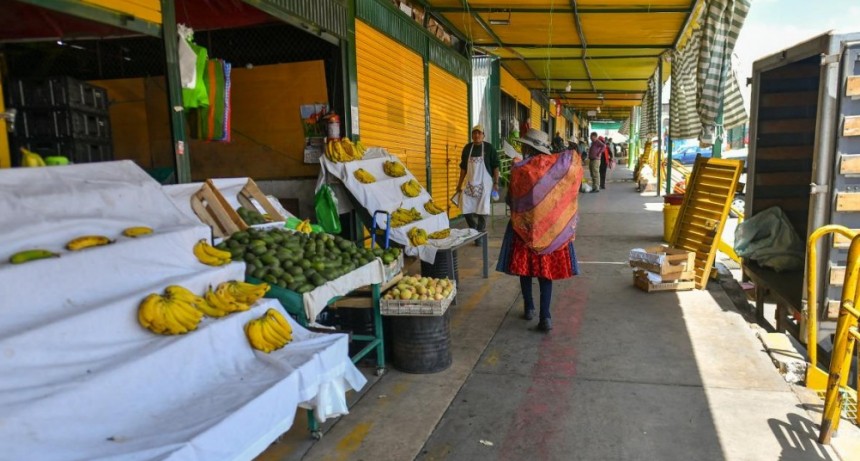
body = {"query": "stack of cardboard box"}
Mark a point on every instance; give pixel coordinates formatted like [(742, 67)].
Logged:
[(662, 268)]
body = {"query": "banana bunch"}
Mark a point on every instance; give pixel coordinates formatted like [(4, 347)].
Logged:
[(363, 176), (359, 149), (165, 315), (442, 234), (31, 255), (247, 293), (209, 255), (432, 208), (137, 231), (269, 332), (417, 236), (181, 294), (344, 150), (394, 169), (304, 227), (411, 188), (31, 159), (223, 302), (87, 241), (402, 216)]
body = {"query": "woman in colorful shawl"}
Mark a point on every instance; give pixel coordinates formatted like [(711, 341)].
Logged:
[(538, 241)]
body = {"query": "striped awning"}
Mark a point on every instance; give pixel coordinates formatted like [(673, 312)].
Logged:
[(648, 121), (684, 120), (722, 22), (625, 127)]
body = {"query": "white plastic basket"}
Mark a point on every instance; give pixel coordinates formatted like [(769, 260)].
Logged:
[(417, 308)]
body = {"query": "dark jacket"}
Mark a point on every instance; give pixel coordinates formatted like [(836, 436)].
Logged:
[(491, 157)]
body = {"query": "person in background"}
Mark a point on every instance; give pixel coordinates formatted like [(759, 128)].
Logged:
[(595, 152), (557, 142), (542, 194), (479, 169), (605, 160)]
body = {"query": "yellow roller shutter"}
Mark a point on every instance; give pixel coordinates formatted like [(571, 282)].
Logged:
[(449, 132), (5, 155), (513, 87), (562, 127), (391, 98), (535, 115)]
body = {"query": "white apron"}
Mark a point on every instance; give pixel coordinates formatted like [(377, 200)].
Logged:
[(479, 186)]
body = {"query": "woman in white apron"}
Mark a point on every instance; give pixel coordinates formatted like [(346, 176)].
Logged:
[(478, 159)]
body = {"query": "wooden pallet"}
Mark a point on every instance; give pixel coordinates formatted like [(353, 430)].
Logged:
[(252, 191), (212, 208)]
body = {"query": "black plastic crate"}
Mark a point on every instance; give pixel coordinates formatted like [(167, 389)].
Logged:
[(77, 151), (35, 123), (58, 93)]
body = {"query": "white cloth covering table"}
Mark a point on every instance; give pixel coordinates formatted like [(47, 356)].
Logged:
[(80, 379)]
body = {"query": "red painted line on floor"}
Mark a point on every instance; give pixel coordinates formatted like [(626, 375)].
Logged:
[(535, 426)]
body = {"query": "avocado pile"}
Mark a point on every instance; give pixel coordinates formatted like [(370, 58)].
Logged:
[(297, 261), (251, 217)]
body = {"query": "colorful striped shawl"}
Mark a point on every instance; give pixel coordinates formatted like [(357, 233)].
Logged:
[(544, 191)]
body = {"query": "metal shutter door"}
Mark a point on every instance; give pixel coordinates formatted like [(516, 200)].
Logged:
[(391, 98), (449, 132)]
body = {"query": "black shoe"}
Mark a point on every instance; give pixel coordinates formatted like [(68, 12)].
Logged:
[(529, 314), (593, 191), (544, 325)]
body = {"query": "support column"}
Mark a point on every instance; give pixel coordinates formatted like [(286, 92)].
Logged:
[(349, 67), (659, 123), (669, 166), (182, 160)]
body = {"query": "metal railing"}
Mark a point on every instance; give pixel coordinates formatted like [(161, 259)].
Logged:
[(816, 378), (846, 331)]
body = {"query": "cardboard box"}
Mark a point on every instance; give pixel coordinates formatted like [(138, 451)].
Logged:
[(640, 280), (666, 261)]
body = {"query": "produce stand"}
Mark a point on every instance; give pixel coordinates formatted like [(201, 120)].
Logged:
[(385, 195), (87, 381)]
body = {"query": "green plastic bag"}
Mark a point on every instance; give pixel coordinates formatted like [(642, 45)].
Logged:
[(326, 207)]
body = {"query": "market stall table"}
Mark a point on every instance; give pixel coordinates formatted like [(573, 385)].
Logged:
[(82, 379)]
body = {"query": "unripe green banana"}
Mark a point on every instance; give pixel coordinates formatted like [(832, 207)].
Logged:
[(31, 255)]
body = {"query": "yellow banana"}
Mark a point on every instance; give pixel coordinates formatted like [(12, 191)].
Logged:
[(197, 302), (431, 208), (174, 325), (187, 315), (209, 255), (31, 255), (394, 169), (417, 236), (222, 303), (136, 231), (411, 188), (248, 293), (31, 159), (270, 335), (253, 330), (150, 314), (363, 176), (442, 234), (282, 325), (87, 241)]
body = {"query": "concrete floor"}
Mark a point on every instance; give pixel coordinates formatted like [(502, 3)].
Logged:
[(625, 375)]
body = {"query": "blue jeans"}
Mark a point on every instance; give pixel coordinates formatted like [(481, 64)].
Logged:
[(545, 295)]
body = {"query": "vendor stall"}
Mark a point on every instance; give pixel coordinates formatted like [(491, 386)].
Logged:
[(83, 379)]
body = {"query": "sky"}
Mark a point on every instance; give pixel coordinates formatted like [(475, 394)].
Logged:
[(773, 25)]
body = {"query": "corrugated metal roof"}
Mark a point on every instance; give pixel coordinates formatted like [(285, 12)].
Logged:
[(606, 49)]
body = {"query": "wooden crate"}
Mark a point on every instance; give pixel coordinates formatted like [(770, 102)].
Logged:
[(640, 280), (212, 208), (677, 263), (252, 191)]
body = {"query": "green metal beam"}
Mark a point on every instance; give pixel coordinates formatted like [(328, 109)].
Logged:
[(686, 23), (350, 74), (100, 15), (605, 46), (484, 9), (174, 93), (577, 23), (585, 79), (590, 58), (277, 10)]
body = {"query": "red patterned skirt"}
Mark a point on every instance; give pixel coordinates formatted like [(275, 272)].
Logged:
[(518, 259)]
